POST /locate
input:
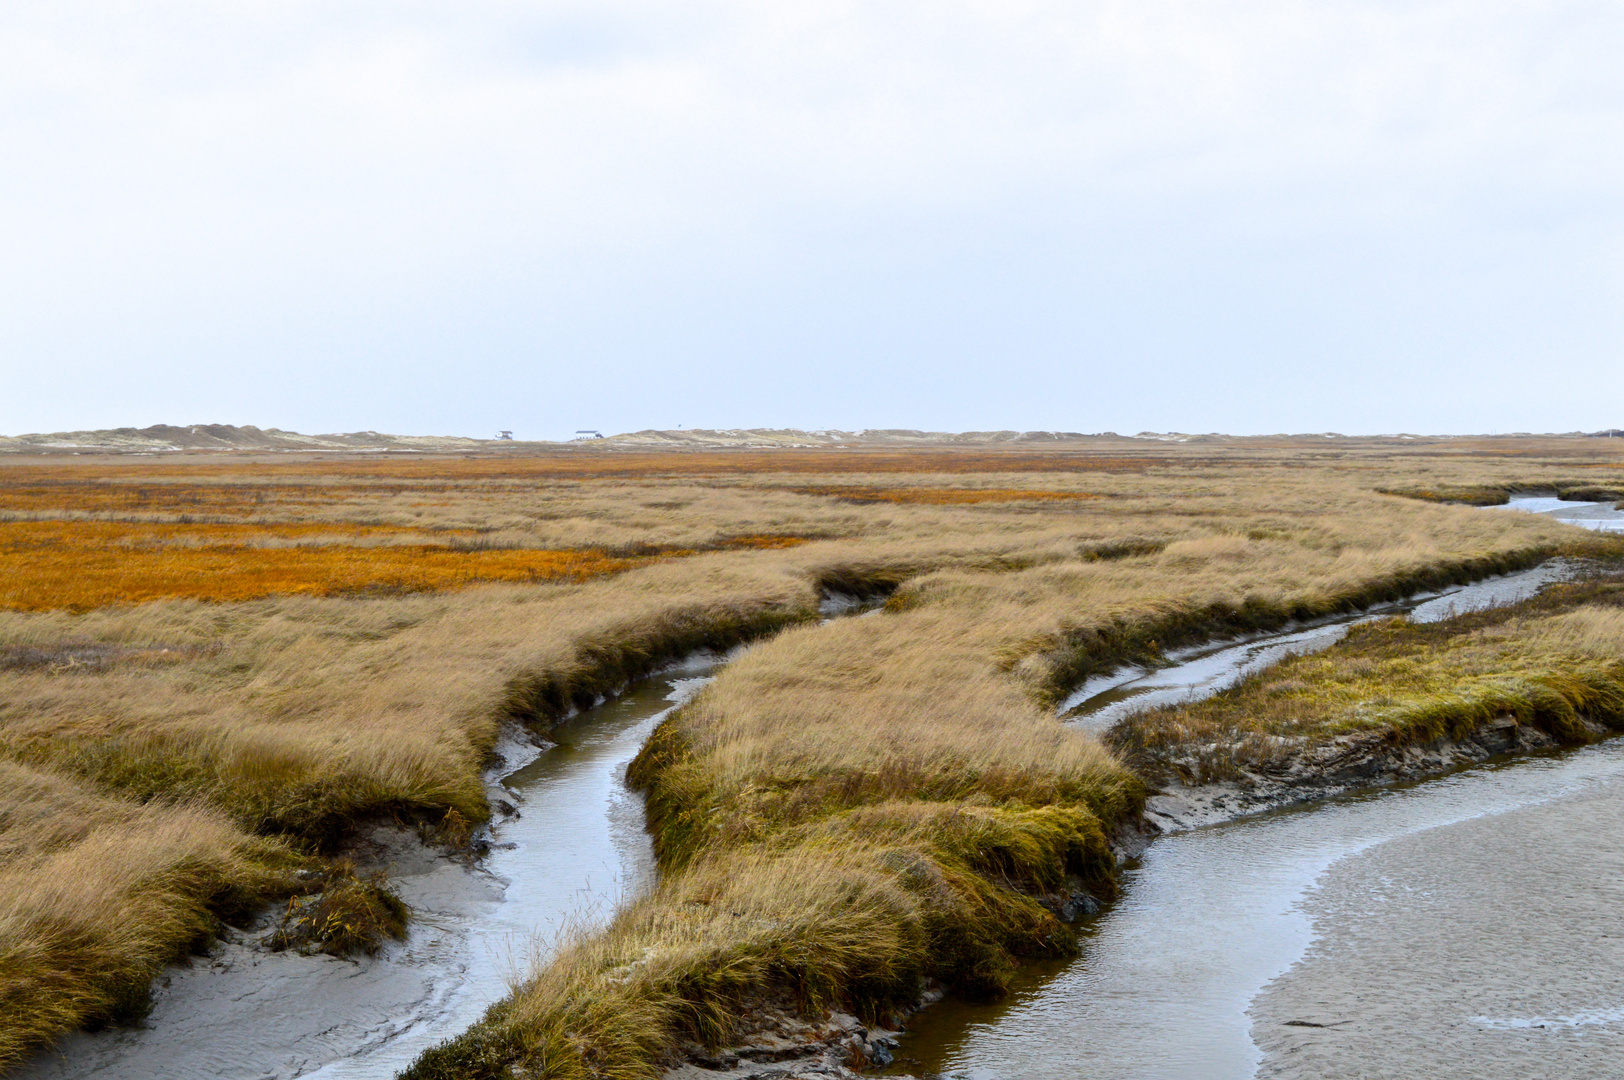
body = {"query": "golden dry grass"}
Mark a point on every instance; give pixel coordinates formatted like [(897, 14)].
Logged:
[(98, 893), (902, 768), (941, 496)]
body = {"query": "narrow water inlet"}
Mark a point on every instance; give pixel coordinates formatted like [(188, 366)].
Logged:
[(1597, 516), (1172, 979), (1174, 982), (1202, 670), (573, 852)]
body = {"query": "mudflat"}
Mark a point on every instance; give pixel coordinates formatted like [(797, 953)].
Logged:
[(1487, 948)]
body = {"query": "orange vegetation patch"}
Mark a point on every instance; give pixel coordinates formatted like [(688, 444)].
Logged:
[(773, 542), (80, 565), (943, 496), (83, 565), (123, 535), (95, 578)]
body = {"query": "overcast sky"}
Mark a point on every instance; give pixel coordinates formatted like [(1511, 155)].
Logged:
[(449, 218)]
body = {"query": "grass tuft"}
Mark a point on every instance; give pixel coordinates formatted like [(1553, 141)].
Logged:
[(342, 913)]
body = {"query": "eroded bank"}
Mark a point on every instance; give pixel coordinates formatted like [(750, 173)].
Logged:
[(569, 849)]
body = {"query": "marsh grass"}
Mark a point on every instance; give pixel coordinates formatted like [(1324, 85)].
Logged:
[(1555, 662), (98, 893), (849, 808)]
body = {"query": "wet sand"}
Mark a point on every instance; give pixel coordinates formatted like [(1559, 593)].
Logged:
[(1485, 949), (1211, 919)]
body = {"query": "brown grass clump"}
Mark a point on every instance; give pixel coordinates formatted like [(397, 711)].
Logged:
[(98, 893), (84, 565), (341, 912)]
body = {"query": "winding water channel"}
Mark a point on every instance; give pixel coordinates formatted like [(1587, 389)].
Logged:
[(1202, 670), (573, 851), (1460, 927), (1230, 941)]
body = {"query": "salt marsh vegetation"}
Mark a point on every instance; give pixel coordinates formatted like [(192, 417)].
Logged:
[(850, 809)]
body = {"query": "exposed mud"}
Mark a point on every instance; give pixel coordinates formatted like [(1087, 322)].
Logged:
[(783, 1045), (1324, 768), (568, 848), (1412, 962), (1169, 982)]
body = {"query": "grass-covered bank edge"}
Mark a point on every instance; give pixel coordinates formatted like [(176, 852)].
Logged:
[(211, 867), (1065, 661), (164, 878), (1400, 699), (956, 888), (1500, 494)]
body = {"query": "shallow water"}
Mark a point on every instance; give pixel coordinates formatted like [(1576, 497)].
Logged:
[(576, 849), (1175, 979), (1599, 516), (575, 852), (1210, 917), (1203, 670)]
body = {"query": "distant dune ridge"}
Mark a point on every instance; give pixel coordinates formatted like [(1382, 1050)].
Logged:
[(168, 438)]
